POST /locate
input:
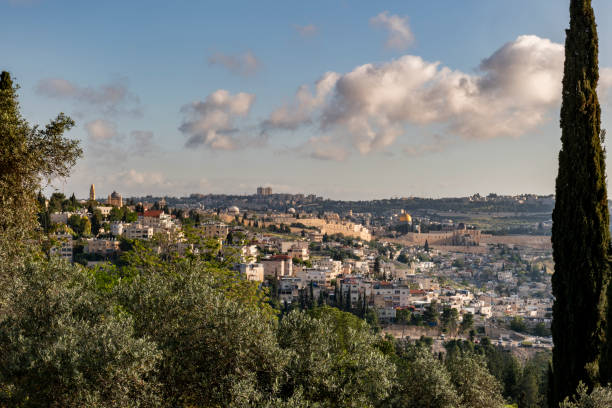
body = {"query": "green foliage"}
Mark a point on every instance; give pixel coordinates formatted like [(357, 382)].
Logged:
[(476, 387), (80, 225), (29, 157), (403, 316), (432, 313), (449, 319), (334, 359), (600, 397), (122, 214), (96, 221), (62, 344), (580, 233), (518, 324), (403, 258), (56, 202), (423, 381), (467, 323), (215, 351)]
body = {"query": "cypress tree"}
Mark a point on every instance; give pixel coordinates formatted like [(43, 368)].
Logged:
[(348, 306), (580, 234)]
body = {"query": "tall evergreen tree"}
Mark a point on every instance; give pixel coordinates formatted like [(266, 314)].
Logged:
[(349, 304), (580, 234)]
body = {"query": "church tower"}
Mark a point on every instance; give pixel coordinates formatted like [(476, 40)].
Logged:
[(92, 193)]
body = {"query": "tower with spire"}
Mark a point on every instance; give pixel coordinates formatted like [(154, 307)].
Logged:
[(92, 193)]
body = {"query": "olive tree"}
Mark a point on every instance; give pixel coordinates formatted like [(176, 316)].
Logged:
[(63, 344)]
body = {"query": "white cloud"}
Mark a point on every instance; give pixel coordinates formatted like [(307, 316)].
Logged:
[(298, 112), (400, 34), (112, 98), (306, 30), (245, 64), (100, 130), (367, 109), (107, 145), (211, 123)]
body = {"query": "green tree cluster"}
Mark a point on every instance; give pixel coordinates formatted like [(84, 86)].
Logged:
[(29, 157), (80, 225), (122, 214)]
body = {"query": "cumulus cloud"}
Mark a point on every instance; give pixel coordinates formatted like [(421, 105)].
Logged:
[(111, 98), (245, 64), (511, 93), (211, 123), (100, 130), (298, 112), (400, 34), (306, 30), (107, 144)]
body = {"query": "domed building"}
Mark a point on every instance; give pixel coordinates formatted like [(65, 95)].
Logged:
[(233, 210), (115, 199), (407, 218), (291, 211)]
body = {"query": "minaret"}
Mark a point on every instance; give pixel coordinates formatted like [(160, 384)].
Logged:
[(92, 193)]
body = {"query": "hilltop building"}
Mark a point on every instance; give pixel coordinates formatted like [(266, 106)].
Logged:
[(115, 199), (405, 218), (264, 191)]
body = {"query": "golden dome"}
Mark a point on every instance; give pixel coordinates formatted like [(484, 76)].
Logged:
[(405, 218)]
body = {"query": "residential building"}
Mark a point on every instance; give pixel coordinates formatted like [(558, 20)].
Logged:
[(117, 227), (300, 253), (138, 231), (101, 246), (289, 287), (277, 266), (252, 271), (105, 210), (322, 277), (335, 266), (215, 230), (285, 246), (63, 247), (315, 236)]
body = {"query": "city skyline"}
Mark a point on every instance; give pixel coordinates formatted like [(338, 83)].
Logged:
[(343, 100)]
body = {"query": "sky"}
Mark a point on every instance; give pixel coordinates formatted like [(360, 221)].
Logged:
[(343, 99)]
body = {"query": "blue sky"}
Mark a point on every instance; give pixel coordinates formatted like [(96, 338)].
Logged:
[(188, 96)]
